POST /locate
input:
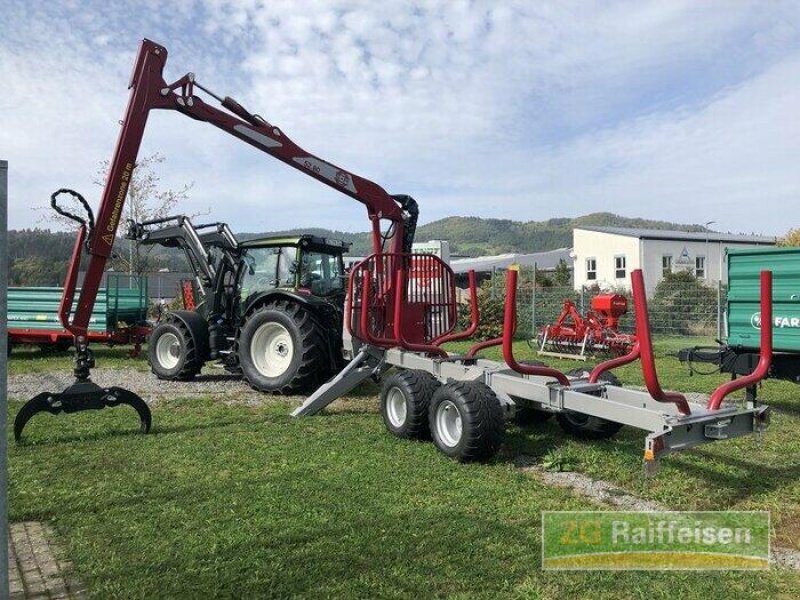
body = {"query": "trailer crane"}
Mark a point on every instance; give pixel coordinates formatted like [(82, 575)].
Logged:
[(150, 91)]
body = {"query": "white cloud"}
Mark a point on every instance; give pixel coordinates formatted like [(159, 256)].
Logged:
[(515, 109)]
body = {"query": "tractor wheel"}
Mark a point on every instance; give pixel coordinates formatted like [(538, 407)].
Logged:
[(466, 421), (172, 353), (586, 426), (405, 398), (281, 349)]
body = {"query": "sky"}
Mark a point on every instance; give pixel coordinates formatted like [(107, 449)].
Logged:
[(675, 109)]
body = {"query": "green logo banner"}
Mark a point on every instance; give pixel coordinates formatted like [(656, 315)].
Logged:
[(655, 540)]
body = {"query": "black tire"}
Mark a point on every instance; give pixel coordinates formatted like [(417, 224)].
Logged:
[(188, 363), (585, 426), (527, 415), (308, 363), (482, 421), (413, 390)]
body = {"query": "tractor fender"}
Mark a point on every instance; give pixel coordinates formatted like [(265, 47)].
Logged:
[(198, 328)]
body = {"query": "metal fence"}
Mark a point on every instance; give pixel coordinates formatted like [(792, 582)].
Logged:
[(676, 308)]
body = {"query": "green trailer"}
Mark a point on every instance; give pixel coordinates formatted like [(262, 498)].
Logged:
[(119, 315), (738, 355), (744, 320)]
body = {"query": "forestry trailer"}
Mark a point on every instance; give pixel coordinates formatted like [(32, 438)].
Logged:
[(269, 308), (150, 91)]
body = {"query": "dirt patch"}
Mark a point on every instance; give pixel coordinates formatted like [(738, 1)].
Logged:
[(609, 494)]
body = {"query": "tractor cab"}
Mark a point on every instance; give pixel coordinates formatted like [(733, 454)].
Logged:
[(307, 265)]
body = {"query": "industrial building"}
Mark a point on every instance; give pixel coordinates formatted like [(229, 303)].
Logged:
[(605, 256)]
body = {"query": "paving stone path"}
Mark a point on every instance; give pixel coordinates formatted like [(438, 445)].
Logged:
[(36, 568)]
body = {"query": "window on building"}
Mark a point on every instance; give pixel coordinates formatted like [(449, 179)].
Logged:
[(666, 264), (700, 267), (591, 269), (619, 267)]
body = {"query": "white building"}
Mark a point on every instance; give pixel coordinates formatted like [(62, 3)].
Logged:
[(605, 256)]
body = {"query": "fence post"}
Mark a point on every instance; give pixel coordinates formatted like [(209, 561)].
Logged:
[(719, 308), (3, 380), (533, 304), (494, 272)]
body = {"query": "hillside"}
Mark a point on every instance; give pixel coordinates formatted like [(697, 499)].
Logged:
[(39, 257), (476, 236)]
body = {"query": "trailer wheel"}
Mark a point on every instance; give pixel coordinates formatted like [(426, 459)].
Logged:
[(281, 349), (405, 398), (466, 421), (172, 352), (587, 426)]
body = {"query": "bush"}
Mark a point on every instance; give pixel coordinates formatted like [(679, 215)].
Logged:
[(683, 305)]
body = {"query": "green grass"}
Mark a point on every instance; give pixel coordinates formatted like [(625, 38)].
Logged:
[(739, 474), (238, 501)]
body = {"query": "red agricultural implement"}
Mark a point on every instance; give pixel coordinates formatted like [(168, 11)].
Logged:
[(463, 401), (576, 337), (186, 96)]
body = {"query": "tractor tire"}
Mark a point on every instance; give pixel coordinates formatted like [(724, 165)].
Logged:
[(405, 398), (585, 426), (466, 421), (281, 349), (172, 353)]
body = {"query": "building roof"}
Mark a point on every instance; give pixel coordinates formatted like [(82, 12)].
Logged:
[(683, 236), (543, 260)]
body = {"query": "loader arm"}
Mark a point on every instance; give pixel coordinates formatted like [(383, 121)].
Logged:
[(149, 91)]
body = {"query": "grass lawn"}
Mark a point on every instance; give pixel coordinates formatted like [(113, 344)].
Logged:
[(242, 501)]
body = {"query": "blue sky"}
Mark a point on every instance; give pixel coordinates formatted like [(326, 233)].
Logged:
[(677, 110)]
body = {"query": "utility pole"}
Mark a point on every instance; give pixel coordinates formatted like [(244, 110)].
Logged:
[(3, 379)]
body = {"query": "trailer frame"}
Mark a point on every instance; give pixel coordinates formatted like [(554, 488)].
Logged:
[(671, 421)]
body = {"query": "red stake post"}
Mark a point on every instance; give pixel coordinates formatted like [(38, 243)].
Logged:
[(765, 358), (645, 343), (509, 325)]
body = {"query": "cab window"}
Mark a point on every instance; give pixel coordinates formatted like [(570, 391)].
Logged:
[(322, 273)]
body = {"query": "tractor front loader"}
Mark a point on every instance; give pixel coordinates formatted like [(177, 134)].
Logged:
[(270, 308), (150, 91)]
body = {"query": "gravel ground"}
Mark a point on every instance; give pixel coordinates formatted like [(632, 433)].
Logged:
[(230, 388)]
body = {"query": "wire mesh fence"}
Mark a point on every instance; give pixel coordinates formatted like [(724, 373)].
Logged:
[(676, 308)]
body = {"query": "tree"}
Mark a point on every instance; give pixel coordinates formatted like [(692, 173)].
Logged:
[(561, 275), (683, 305), (792, 238), (146, 199)]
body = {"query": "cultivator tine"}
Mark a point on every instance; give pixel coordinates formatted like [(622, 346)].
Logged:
[(82, 395)]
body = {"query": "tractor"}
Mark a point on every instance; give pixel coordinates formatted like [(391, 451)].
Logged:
[(269, 308)]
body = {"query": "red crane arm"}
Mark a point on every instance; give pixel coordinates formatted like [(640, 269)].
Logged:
[(149, 91)]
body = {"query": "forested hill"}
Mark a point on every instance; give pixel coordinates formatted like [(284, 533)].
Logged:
[(476, 236), (39, 257)]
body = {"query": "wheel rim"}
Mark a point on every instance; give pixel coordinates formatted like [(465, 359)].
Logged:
[(396, 409), (449, 424), (168, 350), (272, 349), (577, 419)]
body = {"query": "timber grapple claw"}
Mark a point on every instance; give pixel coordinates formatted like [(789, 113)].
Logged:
[(82, 395)]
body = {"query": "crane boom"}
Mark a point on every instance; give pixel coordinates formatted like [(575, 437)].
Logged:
[(149, 91)]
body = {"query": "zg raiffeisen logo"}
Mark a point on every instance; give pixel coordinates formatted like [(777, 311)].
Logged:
[(655, 540)]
